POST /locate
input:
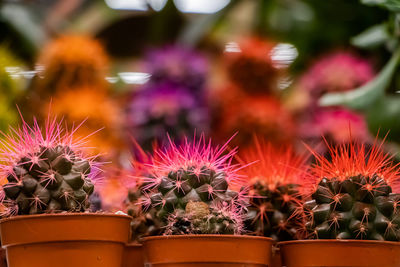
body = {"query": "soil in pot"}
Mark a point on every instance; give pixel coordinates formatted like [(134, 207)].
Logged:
[(207, 251), (340, 253), (133, 255), (68, 239)]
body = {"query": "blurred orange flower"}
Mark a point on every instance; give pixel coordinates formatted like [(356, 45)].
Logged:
[(72, 61)]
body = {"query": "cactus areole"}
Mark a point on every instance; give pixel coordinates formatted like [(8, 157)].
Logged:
[(49, 181)]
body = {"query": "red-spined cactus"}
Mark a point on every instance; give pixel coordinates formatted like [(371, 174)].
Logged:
[(46, 170), (354, 195), (197, 173), (275, 197)]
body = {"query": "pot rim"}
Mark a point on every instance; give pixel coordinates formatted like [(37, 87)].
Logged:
[(338, 241), (66, 214), (133, 244), (203, 236)]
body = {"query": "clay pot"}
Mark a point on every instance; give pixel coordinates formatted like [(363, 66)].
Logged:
[(68, 239), (338, 253), (3, 259), (207, 251), (133, 255), (276, 257)]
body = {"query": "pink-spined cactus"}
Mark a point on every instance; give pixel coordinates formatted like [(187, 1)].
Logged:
[(46, 170), (196, 182), (334, 124), (336, 72)]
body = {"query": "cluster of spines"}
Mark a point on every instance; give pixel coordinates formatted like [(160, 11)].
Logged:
[(354, 195), (46, 170)]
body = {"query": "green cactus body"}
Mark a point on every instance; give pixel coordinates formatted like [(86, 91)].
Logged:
[(199, 218), (353, 195), (195, 172), (273, 211), (180, 187), (51, 180), (46, 171), (275, 198), (359, 207), (145, 221)]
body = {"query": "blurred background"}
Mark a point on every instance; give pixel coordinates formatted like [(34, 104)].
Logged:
[(289, 71)]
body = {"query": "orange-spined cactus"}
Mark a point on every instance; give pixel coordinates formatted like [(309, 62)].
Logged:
[(72, 61), (275, 197), (354, 195)]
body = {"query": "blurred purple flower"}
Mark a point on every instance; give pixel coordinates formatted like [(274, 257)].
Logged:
[(177, 65), (165, 108)]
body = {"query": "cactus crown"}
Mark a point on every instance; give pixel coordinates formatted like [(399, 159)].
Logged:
[(46, 170), (352, 195), (194, 172), (275, 199)]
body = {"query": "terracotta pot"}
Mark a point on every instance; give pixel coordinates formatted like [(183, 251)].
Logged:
[(276, 257), (3, 259), (207, 251), (337, 253), (133, 255), (76, 239)]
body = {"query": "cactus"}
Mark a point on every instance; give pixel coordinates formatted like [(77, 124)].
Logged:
[(199, 218), (275, 198), (195, 172), (46, 172), (252, 68), (72, 61), (354, 195), (145, 221)]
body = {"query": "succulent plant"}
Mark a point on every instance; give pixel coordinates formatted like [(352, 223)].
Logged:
[(72, 61), (178, 66), (264, 116), (46, 171), (145, 221), (251, 68), (336, 72), (354, 195), (200, 218), (195, 172), (275, 197), (165, 107)]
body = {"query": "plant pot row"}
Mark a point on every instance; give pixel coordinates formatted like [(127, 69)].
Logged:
[(86, 239), (214, 250)]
